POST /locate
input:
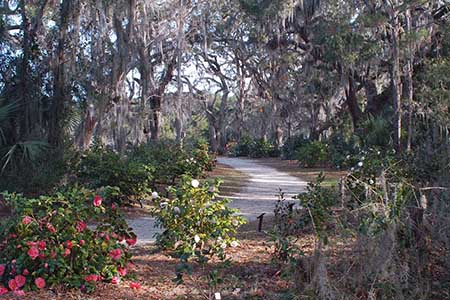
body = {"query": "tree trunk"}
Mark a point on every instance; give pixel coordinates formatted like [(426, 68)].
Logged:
[(409, 80), (57, 113), (395, 80)]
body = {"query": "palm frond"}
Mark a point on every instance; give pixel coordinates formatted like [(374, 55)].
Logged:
[(28, 151)]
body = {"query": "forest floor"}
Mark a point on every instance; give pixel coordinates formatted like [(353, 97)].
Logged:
[(253, 274)]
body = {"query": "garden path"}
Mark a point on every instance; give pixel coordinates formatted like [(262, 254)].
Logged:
[(257, 196), (260, 193)]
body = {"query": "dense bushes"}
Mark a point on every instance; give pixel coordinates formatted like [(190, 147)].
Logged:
[(143, 168), (47, 241), (104, 167), (255, 148)]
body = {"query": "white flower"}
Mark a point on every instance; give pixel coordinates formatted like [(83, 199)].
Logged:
[(155, 195), (235, 222), (195, 183), (234, 244), (223, 245), (363, 158), (163, 204), (176, 210), (371, 181), (378, 152), (217, 296), (347, 157), (360, 164), (352, 169), (196, 238)]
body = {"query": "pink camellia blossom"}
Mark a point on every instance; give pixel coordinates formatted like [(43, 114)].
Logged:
[(25, 272), (131, 241), (31, 244), (41, 255), (33, 253), (113, 206), (46, 265), (2, 269), (115, 254), (39, 282), (51, 228), (115, 280), (42, 245), (53, 254), (3, 290), (69, 244), (122, 271), (12, 236), (66, 252), (12, 284), (82, 242), (19, 293), (97, 201), (20, 280), (92, 277), (27, 220), (135, 285), (81, 226)]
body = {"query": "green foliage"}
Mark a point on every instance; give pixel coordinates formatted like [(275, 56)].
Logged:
[(318, 201), (256, 148), (104, 167), (312, 154), (196, 223), (285, 230), (340, 149), (48, 238), (291, 145)]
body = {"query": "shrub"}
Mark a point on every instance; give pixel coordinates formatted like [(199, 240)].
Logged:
[(47, 241), (312, 154), (242, 148), (340, 149), (263, 148), (291, 145), (196, 224), (103, 167)]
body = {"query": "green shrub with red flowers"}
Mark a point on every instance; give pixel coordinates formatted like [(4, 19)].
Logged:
[(47, 242)]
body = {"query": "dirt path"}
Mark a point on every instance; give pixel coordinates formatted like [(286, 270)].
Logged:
[(263, 183), (257, 193)]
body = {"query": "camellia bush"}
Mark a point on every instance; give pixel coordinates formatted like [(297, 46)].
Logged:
[(196, 223), (47, 242)]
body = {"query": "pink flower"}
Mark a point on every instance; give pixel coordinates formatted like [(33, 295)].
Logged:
[(12, 236), (69, 244), (33, 253), (131, 241), (41, 255), (25, 272), (81, 226), (113, 206), (46, 265), (20, 280), (3, 290), (42, 245), (27, 220), (20, 293), (97, 200), (2, 269), (66, 252), (115, 280), (31, 244), (92, 277), (122, 271), (39, 282), (12, 284), (82, 242), (135, 285), (115, 254), (51, 228)]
